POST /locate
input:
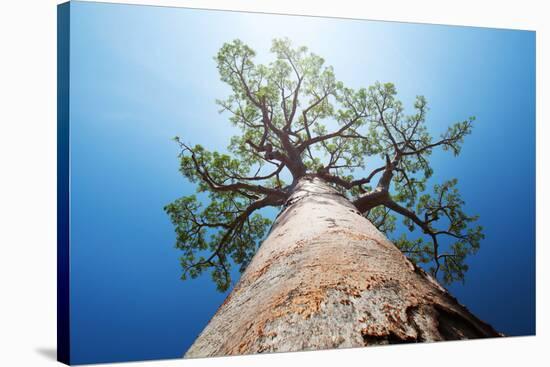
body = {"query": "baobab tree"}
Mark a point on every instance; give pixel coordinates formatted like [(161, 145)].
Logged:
[(323, 274)]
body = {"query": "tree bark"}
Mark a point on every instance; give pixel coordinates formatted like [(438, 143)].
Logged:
[(325, 277)]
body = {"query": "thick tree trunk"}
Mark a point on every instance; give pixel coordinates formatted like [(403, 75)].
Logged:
[(327, 278)]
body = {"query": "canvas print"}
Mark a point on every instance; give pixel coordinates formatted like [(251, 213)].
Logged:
[(235, 183)]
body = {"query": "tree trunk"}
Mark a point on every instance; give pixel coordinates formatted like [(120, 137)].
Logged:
[(325, 277)]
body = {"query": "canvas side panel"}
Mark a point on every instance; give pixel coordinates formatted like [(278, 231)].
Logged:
[(63, 183)]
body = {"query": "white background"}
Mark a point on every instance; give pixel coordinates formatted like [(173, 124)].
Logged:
[(28, 182)]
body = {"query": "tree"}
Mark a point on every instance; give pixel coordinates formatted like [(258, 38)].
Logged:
[(326, 274)]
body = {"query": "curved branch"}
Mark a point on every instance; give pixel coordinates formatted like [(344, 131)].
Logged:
[(324, 174), (237, 223), (202, 171)]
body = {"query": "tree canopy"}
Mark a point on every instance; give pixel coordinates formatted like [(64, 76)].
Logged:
[(297, 119)]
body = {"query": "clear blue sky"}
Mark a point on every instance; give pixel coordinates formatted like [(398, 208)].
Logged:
[(141, 75)]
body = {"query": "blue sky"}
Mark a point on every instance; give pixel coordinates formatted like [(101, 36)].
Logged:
[(141, 75)]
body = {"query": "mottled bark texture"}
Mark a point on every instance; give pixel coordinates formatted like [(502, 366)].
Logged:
[(327, 278)]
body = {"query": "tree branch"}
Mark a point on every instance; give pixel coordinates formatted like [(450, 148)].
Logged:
[(240, 187)]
